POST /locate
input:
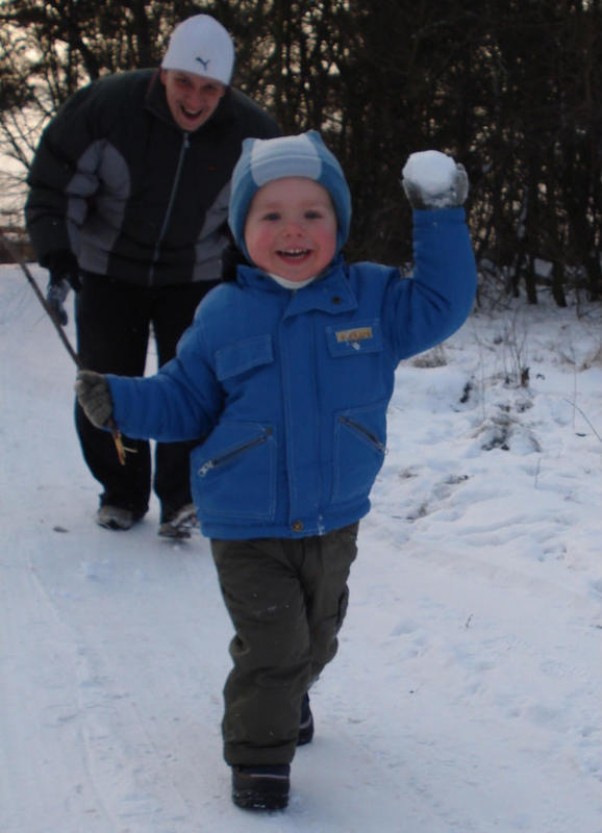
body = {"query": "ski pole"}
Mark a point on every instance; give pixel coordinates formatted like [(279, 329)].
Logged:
[(115, 432)]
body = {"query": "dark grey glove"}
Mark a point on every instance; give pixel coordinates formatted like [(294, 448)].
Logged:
[(432, 179), (63, 276), (94, 395), (56, 294)]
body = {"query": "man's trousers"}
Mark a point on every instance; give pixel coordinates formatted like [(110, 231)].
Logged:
[(114, 321)]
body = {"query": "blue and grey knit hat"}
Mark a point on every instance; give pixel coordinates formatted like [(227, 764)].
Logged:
[(263, 160)]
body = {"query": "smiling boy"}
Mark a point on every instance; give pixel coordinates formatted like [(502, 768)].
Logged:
[(291, 229), (284, 380)]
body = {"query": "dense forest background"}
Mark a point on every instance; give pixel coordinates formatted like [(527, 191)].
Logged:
[(512, 88)]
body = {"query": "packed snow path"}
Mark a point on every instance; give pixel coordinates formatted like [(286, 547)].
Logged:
[(466, 694)]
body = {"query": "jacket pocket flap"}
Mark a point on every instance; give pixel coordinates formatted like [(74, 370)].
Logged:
[(244, 355)]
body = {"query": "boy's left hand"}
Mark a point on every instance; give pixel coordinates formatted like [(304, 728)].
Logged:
[(432, 179)]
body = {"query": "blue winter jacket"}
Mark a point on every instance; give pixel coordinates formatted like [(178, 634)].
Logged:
[(287, 391)]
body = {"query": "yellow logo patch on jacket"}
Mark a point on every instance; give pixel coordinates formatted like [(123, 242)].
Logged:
[(357, 334)]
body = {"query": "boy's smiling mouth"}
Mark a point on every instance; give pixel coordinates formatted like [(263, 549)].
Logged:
[(293, 254)]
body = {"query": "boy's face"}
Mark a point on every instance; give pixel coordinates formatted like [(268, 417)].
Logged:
[(291, 228), (192, 99)]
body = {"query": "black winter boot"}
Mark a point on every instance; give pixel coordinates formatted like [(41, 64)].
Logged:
[(261, 787)]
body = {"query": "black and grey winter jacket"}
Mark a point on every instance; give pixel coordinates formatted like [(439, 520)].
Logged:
[(133, 196)]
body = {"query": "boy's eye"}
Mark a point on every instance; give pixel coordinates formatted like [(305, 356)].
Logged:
[(271, 216), (313, 215)]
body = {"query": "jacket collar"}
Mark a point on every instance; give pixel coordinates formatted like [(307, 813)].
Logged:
[(332, 293)]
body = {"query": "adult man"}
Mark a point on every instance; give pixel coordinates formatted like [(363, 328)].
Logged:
[(128, 206)]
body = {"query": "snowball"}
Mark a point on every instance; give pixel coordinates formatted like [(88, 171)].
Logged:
[(430, 170)]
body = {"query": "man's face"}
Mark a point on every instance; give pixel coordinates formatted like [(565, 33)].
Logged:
[(192, 99)]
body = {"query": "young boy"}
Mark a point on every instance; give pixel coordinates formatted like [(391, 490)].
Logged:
[(284, 380)]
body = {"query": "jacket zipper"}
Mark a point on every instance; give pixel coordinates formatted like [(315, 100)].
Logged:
[(231, 455), (356, 426), (170, 205)]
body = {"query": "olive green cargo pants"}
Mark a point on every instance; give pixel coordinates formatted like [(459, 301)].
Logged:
[(287, 600)]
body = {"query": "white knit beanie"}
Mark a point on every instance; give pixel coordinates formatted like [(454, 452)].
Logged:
[(202, 46)]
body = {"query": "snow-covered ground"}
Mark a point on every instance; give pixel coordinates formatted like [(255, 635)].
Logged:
[(466, 694)]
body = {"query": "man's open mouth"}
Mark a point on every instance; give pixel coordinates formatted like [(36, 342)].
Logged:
[(191, 114)]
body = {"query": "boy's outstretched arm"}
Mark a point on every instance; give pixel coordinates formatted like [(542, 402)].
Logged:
[(180, 402), (439, 297)]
